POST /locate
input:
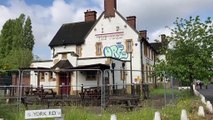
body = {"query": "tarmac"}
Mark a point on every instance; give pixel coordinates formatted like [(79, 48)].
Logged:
[(207, 93)]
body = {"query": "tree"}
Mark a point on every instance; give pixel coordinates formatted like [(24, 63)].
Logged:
[(16, 37), (28, 36), (23, 58), (190, 57)]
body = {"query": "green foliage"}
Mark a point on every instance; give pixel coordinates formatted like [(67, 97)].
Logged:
[(190, 56), (22, 59), (169, 112), (16, 43)]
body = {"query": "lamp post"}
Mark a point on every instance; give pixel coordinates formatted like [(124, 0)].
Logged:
[(131, 72), (123, 74), (113, 78)]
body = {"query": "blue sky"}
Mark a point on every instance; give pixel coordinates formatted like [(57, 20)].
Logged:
[(48, 15)]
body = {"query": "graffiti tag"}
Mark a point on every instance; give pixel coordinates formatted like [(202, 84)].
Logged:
[(115, 51)]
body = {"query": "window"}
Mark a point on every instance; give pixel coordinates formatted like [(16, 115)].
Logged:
[(150, 74), (145, 50), (50, 75), (148, 49), (129, 45), (98, 48), (64, 56), (79, 50), (91, 75), (122, 75), (147, 74), (153, 55), (42, 75)]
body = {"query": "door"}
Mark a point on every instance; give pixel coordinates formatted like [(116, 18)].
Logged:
[(64, 83)]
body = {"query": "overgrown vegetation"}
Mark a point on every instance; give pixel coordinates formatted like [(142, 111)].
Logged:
[(188, 51), (169, 112)]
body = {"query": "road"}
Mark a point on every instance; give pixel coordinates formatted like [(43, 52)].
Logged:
[(208, 93)]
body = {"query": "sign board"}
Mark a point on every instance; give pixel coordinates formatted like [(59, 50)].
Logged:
[(45, 113)]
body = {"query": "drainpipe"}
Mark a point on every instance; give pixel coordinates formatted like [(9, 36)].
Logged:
[(141, 53), (113, 78)]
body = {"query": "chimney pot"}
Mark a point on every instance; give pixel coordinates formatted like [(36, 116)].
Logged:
[(90, 15)]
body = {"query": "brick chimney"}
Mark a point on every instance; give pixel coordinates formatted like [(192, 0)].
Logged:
[(109, 8), (131, 21), (90, 16), (143, 34)]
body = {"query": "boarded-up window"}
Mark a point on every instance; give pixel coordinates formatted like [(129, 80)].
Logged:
[(123, 76), (148, 49), (153, 55), (98, 46), (91, 75), (129, 45), (79, 50), (145, 50), (150, 74), (42, 76), (50, 76), (147, 73)]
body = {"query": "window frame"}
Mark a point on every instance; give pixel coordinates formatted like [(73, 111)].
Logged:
[(99, 48), (79, 50), (129, 45), (91, 75)]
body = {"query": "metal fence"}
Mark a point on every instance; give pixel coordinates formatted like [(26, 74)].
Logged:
[(102, 89)]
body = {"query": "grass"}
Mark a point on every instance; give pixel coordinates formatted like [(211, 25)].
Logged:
[(160, 91), (169, 112)]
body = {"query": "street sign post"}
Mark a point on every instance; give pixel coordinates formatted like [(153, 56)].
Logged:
[(44, 113)]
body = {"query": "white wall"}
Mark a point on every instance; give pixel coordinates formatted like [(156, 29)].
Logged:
[(113, 40)]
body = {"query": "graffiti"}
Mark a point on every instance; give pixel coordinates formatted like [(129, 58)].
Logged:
[(115, 51)]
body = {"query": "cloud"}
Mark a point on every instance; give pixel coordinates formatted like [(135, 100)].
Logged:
[(152, 15)]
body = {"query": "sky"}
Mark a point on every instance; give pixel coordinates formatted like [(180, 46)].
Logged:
[(47, 16)]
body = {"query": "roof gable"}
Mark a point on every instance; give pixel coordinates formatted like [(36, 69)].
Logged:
[(71, 34), (63, 64)]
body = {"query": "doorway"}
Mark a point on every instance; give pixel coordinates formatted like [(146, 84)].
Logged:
[(64, 82)]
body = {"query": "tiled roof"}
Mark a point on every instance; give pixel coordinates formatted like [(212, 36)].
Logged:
[(63, 64), (157, 46), (71, 34), (93, 66)]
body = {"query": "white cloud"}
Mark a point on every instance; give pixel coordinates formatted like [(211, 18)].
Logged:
[(152, 15)]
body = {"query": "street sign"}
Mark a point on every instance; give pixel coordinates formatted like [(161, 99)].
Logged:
[(44, 113)]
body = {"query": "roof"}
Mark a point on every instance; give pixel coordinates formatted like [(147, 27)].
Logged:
[(157, 46), (63, 64), (93, 66), (71, 34)]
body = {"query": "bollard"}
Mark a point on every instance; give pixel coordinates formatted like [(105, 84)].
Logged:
[(184, 115), (113, 117), (209, 106), (1, 118), (157, 116), (201, 111), (203, 100)]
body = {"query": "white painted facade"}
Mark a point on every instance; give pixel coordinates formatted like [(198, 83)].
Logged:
[(112, 33)]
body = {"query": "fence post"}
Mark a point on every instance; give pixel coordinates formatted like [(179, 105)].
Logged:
[(201, 111), (184, 115), (157, 116), (209, 106), (113, 117)]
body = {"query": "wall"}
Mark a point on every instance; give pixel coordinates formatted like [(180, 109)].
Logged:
[(113, 33)]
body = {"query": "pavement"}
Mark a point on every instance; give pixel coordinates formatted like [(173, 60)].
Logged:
[(207, 93)]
